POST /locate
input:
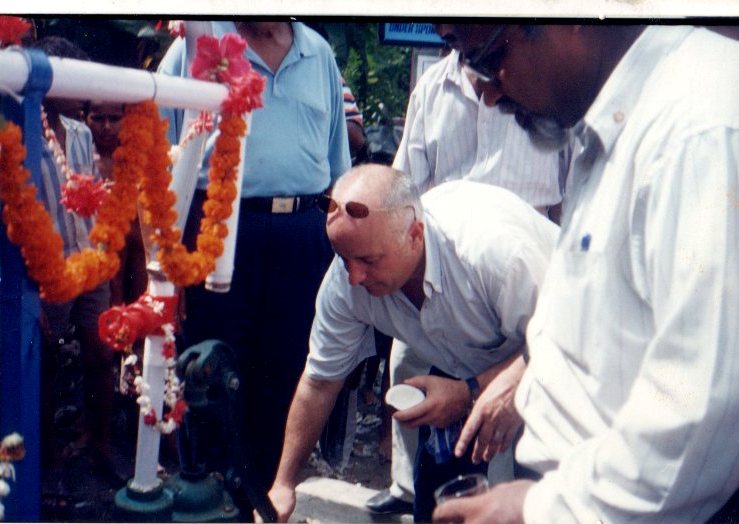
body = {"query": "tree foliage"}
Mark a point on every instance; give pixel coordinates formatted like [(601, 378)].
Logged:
[(378, 74)]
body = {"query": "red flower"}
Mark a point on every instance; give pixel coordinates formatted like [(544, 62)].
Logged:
[(245, 95), (203, 123), (83, 195), (12, 28), (168, 349), (220, 61), (176, 28), (150, 418), (178, 412)]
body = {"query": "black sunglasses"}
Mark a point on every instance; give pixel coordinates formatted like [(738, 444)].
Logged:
[(484, 64), (354, 209)]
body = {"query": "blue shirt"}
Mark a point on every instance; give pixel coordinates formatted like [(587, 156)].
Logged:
[(298, 142), (73, 228)]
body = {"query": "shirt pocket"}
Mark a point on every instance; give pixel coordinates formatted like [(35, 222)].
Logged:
[(313, 126), (579, 287)]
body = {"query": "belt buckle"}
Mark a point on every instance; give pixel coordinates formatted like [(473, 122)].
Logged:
[(283, 204)]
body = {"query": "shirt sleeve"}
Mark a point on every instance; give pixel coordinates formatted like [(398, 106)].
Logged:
[(412, 157), (339, 341), (522, 278), (339, 158), (671, 453)]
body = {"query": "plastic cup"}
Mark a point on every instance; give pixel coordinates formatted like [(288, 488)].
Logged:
[(461, 486)]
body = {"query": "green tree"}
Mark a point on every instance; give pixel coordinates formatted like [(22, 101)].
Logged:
[(378, 74)]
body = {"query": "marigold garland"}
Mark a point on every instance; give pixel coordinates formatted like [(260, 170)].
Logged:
[(142, 157), (185, 268), (30, 227)]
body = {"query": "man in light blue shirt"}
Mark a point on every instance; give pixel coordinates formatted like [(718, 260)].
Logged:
[(297, 147)]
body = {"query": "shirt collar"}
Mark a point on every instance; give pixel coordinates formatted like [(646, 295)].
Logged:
[(615, 102), (454, 73), (432, 272), (300, 48)]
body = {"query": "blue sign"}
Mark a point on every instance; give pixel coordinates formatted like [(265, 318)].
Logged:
[(403, 33)]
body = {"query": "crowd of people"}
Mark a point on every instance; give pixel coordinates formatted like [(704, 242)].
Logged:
[(553, 252)]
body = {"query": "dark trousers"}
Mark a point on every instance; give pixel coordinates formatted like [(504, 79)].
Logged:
[(266, 318), (428, 475)]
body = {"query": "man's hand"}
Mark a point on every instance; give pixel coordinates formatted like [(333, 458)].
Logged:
[(502, 504), (283, 499), (494, 421), (446, 402)]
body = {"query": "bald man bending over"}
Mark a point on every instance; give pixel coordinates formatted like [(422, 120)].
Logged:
[(456, 276)]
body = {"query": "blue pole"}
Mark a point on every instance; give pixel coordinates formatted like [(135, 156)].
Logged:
[(20, 338)]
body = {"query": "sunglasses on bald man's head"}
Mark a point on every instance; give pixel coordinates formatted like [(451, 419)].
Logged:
[(328, 205)]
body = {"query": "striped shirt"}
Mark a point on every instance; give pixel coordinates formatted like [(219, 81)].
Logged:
[(450, 134), (73, 228), (351, 111)]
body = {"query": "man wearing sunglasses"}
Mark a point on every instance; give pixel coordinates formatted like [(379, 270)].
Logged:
[(631, 394), (454, 275)]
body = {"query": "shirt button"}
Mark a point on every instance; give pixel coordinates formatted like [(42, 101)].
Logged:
[(618, 117)]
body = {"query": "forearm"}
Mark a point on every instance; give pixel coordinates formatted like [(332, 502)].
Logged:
[(309, 411), (513, 367)]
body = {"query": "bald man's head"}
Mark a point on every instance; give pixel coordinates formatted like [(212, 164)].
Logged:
[(382, 245)]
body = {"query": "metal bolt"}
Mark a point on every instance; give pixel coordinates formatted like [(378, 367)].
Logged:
[(234, 383)]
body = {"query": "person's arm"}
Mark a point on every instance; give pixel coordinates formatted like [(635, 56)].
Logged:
[(412, 155), (448, 400), (313, 401), (493, 421)]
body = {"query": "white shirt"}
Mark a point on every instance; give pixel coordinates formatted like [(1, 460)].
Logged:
[(631, 396), (449, 131), (486, 253)]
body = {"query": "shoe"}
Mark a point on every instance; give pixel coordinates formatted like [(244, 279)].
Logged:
[(385, 502)]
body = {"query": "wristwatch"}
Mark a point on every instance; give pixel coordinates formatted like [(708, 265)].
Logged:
[(474, 387)]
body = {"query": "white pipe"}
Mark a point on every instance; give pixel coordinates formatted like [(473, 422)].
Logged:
[(186, 169), (79, 80), (219, 280), (154, 371)]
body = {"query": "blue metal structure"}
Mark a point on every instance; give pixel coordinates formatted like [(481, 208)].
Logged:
[(20, 338)]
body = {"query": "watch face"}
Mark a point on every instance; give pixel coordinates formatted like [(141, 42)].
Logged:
[(474, 386), (403, 396)]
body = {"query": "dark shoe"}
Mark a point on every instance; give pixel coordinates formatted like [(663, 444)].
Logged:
[(384, 502)]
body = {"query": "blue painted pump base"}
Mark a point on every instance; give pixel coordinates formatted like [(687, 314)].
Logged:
[(132, 505), (201, 499)]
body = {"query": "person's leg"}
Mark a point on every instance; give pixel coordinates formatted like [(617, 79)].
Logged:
[(56, 332), (296, 259), (403, 364), (97, 359), (232, 318)]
